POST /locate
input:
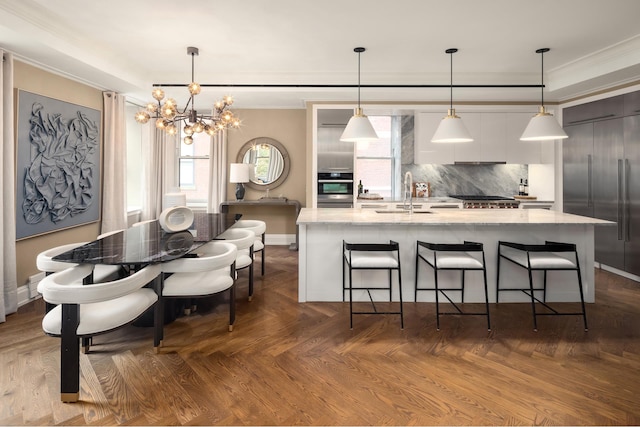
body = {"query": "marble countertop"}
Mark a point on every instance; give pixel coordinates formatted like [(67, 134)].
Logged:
[(414, 199), (443, 217)]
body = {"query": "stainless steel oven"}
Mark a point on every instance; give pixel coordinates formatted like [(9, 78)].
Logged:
[(335, 189)]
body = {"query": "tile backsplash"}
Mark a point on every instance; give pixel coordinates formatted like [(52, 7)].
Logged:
[(488, 179)]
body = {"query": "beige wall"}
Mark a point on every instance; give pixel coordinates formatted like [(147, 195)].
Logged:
[(35, 80), (289, 128)]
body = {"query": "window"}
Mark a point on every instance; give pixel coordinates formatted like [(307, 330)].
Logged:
[(193, 168), (377, 165), (134, 159)]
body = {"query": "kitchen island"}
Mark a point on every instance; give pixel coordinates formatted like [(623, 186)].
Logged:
[(323, 230)]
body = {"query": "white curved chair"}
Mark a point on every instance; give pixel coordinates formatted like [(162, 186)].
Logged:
[(244, 241), (46, 264), (85, 311), (209, 273), (259, 228)]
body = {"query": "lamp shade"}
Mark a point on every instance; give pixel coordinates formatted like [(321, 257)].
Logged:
[(359, 129), (239, 172), (543, 127), (451, 129)]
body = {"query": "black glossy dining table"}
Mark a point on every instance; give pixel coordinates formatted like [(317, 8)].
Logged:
[(148, 243)]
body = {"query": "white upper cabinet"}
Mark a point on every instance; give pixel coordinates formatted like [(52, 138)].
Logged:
[(425, 151), (496, 139)]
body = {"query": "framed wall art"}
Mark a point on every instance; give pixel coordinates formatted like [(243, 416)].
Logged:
[(58, 165)]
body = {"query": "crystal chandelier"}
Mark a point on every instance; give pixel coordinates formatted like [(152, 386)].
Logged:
[(169, 118)]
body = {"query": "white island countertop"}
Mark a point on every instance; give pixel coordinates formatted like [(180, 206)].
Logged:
[(443, 217)]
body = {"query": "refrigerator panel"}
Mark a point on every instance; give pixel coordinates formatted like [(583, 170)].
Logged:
[(607, 180), (577, 156), (632, 194)]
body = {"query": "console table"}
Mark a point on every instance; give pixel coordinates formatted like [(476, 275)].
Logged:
[(224, 208)]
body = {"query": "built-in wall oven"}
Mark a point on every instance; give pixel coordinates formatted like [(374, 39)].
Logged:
[(335, 189)]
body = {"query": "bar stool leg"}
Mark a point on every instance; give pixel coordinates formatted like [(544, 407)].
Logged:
[(350, 299), (584, 311), (435, 274), (533, 301), (544, 287), (400, 290), (498, 278), (415, 296), (462, 272), (486, 295), (390, 288)]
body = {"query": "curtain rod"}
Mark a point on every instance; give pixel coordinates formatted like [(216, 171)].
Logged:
[(395, 86)]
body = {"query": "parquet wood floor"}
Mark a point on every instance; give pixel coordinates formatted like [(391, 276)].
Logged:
[(299, 364)]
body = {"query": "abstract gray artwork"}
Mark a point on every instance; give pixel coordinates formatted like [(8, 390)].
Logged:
[(58, 165)]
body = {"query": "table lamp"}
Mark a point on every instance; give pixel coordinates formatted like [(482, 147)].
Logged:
[(239, 174)]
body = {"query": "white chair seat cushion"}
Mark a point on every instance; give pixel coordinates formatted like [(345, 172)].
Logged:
[(105, 315), (258, 245), (541, 260), (243, 259), (455, 260), (202, 283), (373, 259)]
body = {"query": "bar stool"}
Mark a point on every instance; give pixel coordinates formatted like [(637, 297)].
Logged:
[(452, 256), (371, 256), (541, 257)]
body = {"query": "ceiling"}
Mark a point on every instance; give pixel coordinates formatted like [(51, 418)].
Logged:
[(127, 46)]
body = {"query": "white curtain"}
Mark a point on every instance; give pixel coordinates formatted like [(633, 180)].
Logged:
[(217, 171), (9, 294), (276, 164), (154, 153), (114, 186)]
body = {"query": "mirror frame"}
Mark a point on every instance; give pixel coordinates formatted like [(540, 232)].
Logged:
[(285, 156)]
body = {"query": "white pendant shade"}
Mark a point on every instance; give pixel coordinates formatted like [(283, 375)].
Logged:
[(451, 129), (543, 127), (359, 129)]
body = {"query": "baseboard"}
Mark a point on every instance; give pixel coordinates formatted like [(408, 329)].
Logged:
[(279, 239), (618, 272), (25, 296)]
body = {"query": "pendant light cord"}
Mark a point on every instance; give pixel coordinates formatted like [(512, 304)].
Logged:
[(359, 80), (542, 77), (451, 81)]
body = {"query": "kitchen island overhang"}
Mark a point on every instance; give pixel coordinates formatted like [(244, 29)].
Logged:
[(323, 230)]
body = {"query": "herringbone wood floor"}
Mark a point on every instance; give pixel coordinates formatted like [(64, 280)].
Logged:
[(290, 364)]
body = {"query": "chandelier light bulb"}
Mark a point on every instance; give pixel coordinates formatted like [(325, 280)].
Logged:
[(228, 99), (170, 102), (142, 117), (168, 112), (194, 88), (198, 127), (158, 94), (209, 130), (188, 140), (161, 123), (171, 129), (151, 107), (188, 130)]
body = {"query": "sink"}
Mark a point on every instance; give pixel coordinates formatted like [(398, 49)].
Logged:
[(401, 211)]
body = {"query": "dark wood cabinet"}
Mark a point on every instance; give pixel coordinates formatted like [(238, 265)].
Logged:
[(603, 109)]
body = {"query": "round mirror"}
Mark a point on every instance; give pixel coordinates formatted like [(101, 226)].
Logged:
[(269, 162)]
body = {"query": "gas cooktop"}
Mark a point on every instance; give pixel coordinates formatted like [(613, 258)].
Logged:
[(479, 197)]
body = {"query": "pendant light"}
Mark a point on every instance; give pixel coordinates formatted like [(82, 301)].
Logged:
[(543, 126), (359, 128), (451, 128)]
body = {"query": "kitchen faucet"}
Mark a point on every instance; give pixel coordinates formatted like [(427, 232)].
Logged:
[(408, 184)]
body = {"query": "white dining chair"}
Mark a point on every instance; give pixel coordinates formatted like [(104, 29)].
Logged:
[(259, 228), (244, 241), (86, 311), (208, 273)]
